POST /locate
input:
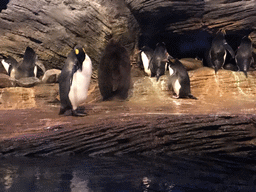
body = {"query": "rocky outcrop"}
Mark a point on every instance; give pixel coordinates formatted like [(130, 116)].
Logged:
[(6, 81), (51, 76), (52, 28)]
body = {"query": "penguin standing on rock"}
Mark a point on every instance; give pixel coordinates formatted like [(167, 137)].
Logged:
[(159, 60), (244, 57), (146, 54), (178, 80), (217, 54), (26, 68), (74, 81), (114, 73)]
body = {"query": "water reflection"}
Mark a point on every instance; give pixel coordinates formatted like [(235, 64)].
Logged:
[(122, 174)]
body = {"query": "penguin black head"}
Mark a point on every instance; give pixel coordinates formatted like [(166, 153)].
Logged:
[(246, 40), (80, 55)]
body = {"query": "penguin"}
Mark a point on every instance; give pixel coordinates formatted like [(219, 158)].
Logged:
[(157, 64), (178, 80), (244, 58), (74, 81), (146, 54), (25, 68), (114, 73), (217, 53)]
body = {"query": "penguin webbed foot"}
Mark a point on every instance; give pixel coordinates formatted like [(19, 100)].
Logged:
[(176, 96), (77, 113), (192, 97)]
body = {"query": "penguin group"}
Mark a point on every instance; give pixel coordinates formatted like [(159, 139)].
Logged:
[(243, 57), (159, 61), (114, 70)]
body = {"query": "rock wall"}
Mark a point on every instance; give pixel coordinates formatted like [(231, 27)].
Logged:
[(53, 27)]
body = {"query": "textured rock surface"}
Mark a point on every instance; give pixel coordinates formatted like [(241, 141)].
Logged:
[(51, 76), (28, 81), (150, 122), (6, 81), (52, 28)]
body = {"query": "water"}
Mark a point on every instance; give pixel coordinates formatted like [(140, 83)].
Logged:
[(126, 174)]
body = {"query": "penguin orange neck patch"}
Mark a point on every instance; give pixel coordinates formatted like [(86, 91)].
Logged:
[(76, 51)]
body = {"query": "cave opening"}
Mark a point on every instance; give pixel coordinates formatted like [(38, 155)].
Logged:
[(190, 44), (3, 4)]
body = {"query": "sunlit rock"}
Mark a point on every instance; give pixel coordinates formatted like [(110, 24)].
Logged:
[(51, 76), (27, 81), (191, 64), (6, 81)]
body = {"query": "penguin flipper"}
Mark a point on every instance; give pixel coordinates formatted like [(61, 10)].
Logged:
[(245, 73), (229, 49), (28, 63)]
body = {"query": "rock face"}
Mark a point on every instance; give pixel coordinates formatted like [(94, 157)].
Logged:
[(52, 28), (147, 123)]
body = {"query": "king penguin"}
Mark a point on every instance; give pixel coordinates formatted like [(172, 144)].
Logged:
[(244, 57), (146, 54), (74, 81), (25, 68), (159, 60), (178, 80), (217, 54), (114, 73)]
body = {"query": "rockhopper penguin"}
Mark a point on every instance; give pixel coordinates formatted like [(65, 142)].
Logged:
[(178, 80)]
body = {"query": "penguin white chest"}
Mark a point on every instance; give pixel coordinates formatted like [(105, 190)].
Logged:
[(145, 62), (6, 65), (80, 84), (176, 87), (171, 71)]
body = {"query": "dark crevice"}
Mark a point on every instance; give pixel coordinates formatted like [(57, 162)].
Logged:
[(35, 40), (3, 4)]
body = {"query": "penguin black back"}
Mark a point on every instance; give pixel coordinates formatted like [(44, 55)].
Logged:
[(217, 52), (244, 57), (158, 62), (114, 71), (178, 80)]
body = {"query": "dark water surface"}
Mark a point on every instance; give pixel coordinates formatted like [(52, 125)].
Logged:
[(126, 174)]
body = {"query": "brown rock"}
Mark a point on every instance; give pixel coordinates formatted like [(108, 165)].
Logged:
[(6, 81), (51, 76), (191, 64), (28, 81)]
